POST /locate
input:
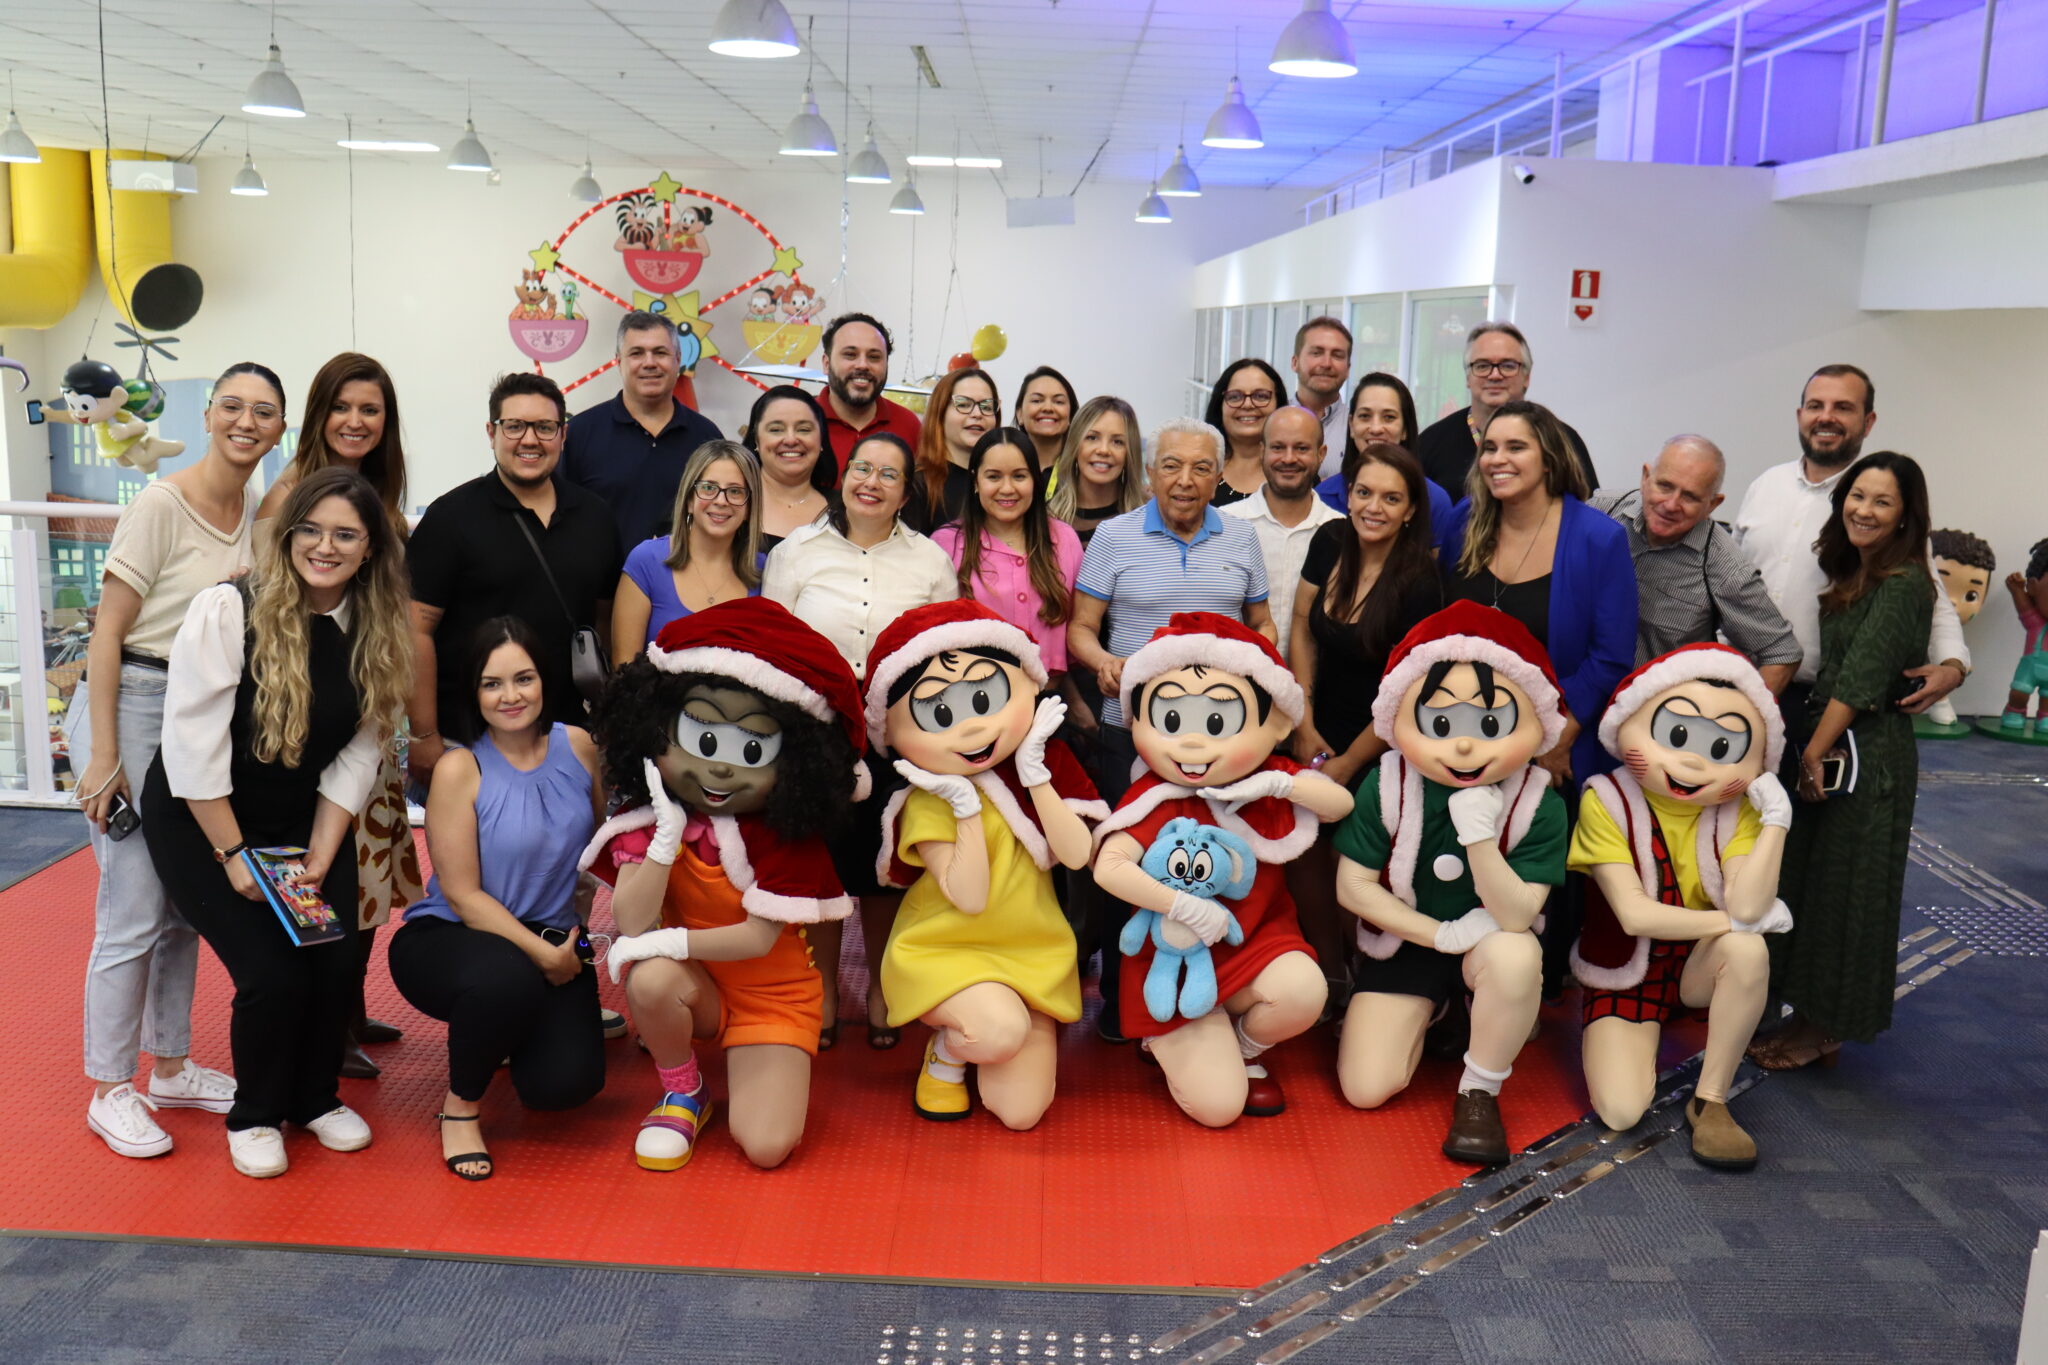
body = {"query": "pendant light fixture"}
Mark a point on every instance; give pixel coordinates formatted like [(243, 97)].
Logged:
[(469, 153), (1313, 44), (272, 92), (1179, 181), (585, 190), (1233, 125), (754, 28), (15, 145), (869, 167), (248, 180), (907, 201), (808, 134), (1152, 208)]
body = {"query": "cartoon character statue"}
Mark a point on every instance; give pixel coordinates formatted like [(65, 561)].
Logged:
[(980, 951), (1964, 563), (1209, 701), (1447, 861), (799, 303), (119, 414), (2030, 599), (639, 219), (686, 232), (1682, 848), (735, 740), (536, 300), (761, 305), (1198, 860)]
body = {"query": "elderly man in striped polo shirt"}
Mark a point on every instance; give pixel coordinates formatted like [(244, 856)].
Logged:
[(1176, 553)]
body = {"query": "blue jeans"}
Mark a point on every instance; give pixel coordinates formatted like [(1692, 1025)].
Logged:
[(145, 957)]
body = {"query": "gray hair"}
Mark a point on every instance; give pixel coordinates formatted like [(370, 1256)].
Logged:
[(1507, 329), (640, 320), (1183, 426), (1702, 447)]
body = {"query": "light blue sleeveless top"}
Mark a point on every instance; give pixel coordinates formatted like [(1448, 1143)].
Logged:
[(530, 830)]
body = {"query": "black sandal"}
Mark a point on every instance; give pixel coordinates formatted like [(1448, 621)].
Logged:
[(455, 1162), (880, 1036)]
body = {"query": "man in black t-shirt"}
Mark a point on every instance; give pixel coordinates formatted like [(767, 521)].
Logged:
[(1497, 368), (470, 561)]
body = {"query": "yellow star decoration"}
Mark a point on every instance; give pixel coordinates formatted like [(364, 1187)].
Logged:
[(786, 261), (665, 189), (681, 309), (544, 257)]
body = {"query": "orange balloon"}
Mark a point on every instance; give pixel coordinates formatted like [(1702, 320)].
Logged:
[(963, 361)]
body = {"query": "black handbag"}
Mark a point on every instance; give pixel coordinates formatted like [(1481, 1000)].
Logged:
[(588, 668)]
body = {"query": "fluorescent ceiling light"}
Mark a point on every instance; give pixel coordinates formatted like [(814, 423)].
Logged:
[(248, 180), (1233, 124), (1313, 44), (272, 92), (380, 144), (928, 160), (978, 163), (754, 28)]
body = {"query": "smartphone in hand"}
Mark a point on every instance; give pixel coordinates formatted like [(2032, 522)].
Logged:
[(122, 819)]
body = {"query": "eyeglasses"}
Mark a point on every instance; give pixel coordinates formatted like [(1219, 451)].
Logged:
[(233, 408), (707, 491), (517, 429), (985, 406), (863, 469), (1237, 398), (1506, 369), (344, 537)]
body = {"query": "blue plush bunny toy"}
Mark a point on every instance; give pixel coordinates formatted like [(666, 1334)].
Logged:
[(1201, 860)]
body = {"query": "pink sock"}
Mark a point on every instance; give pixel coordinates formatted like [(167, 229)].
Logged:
[(681, 1080)]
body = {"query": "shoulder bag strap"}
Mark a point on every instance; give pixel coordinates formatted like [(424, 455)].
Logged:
[(546, 572)]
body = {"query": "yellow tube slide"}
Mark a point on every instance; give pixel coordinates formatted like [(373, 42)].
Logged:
[(42, 278), (138, 227)]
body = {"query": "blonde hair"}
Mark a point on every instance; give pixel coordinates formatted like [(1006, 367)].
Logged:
[(280, 618), (746, 545), (1561, 476), (1064, 501)]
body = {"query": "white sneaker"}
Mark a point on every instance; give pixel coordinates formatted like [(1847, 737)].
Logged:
[(195, 1087), (257, 1152), (122, 1119), (341, 1130)]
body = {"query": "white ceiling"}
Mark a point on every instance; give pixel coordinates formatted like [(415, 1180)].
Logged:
[(1034, 81)]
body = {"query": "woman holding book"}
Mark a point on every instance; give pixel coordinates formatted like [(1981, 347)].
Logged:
[(280, 700)]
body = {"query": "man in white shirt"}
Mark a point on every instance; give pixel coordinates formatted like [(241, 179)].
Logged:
[(1321, 365), (1786, 506), (1286, 512)]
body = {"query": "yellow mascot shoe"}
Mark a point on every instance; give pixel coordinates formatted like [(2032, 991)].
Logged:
[(669, 1132), (941, 1086)]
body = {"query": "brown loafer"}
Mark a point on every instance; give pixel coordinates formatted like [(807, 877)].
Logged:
[(1476, 1134), (1717, 1139)]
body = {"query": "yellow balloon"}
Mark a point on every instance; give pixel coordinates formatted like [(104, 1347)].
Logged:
[(989, 342)]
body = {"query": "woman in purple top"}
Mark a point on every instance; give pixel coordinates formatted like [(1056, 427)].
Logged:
[(713, 555)]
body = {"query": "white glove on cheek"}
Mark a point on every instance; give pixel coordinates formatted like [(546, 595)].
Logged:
[(668, 817), (1462, 934), (669, 943), (957, 792), (1205, 917), (1030, 756), (1475, 814), (1776, 920), (1773, 806)]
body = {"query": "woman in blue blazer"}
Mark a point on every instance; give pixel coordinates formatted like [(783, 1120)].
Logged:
[(1523, 540)]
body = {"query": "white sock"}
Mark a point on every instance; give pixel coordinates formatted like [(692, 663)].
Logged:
[(1477, 1077), (1247, 1047), (944, 1065)]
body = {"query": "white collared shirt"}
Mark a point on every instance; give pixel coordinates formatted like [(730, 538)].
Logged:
[(1284, 549), (850, 595)]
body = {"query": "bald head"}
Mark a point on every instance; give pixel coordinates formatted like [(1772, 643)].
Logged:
[(1681, 487), (1293, 455)]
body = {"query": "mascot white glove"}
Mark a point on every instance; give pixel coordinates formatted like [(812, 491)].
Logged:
[(1462, 934), (957, 792), (1775, 920), (668, 818), (669, 943), (1246, 789), (1475, 814), (1773, 806), (1207, 920), (1030, 757)]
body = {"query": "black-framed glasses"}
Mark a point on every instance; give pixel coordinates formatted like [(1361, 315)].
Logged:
[(1237, 398), (964, 406), (516, 428), (708, 491), (1506, 369)]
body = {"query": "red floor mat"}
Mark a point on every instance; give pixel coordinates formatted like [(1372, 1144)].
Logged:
[(1115, 1188)]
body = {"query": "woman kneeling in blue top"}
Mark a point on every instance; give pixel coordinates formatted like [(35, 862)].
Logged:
[(496, 949)]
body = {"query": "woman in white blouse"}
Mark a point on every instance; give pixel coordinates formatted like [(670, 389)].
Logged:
[(850, 575), (280, 701)]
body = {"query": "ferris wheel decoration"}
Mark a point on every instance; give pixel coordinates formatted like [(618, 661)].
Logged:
[(660, 238)]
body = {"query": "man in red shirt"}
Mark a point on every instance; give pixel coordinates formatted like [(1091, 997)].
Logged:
[(856, 367)]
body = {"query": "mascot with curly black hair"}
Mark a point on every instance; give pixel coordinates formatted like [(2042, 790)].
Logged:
[(734, 742)]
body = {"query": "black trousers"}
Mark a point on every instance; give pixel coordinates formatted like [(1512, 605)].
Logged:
[(292, 1005), (497, 1005), (1114, 755)]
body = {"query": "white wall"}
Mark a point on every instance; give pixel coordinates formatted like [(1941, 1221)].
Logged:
[(437, 253), (1976, 249)]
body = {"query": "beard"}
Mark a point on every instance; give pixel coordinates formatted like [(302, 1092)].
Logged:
[(838, 385), (1851, 447)]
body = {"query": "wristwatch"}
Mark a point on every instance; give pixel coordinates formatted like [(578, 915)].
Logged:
[(221, 855)]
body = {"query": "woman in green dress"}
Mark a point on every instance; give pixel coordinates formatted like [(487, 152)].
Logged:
[(1845, 862)]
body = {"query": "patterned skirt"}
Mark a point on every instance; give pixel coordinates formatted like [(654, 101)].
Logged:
[(387, 860)]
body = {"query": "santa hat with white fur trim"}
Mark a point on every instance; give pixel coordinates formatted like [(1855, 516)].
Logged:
[(1712, 662), (759, 643), (1204, 637), (1466, 632), (923, 632)]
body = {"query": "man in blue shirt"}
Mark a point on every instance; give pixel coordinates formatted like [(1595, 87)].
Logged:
[(630, 450)]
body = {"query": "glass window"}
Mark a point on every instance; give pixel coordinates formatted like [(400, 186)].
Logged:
[(1376, 334), (1439, 328), (1258, 333)]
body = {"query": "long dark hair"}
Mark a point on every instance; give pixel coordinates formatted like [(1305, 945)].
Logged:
[(1048, 372), (489, 637), (1409, 560), (913, 513), (825, 471), (1214, 415), (1054, 593), (384, 467), (1562, 477), (1380, 379), (1850, 576)]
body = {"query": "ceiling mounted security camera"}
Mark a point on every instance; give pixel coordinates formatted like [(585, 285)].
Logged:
[(1523, 173)]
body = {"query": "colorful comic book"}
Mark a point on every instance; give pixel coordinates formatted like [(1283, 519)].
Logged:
[(305, 914)]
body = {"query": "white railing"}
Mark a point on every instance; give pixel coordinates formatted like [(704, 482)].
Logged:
[(29, 763), (1500, 136)]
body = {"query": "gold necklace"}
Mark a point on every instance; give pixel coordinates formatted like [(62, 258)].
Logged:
[(1501, 585)]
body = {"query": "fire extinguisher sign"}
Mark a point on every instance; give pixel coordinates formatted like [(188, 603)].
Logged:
[(1585, 304)]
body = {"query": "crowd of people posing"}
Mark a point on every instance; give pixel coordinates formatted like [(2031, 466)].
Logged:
[(1303, 712)]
